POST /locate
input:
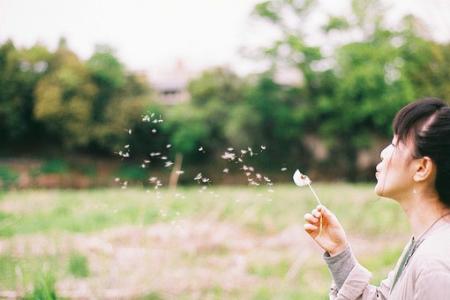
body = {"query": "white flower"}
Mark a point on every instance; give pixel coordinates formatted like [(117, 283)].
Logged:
[(301, 179)]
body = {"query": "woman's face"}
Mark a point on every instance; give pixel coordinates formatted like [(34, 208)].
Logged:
[(395, 171)]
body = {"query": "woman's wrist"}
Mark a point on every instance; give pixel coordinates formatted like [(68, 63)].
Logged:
[(337, 250)]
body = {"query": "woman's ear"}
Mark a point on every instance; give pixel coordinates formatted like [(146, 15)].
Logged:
[(424, 169)]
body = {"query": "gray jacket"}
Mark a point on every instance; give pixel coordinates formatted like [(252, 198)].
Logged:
[(425, 277)]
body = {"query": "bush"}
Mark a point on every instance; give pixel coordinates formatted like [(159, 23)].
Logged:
[(134, 173), (44, 289), (8, 177), (54, 166), (78, 265)]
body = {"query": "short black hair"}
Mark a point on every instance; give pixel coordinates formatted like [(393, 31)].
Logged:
[(426, 122)]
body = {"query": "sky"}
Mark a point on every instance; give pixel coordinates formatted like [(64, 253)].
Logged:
[(152, 34)]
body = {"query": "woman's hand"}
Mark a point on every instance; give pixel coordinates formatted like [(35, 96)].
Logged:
[(332, 237)]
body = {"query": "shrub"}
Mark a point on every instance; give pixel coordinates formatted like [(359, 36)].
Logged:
[(78, 265), (8, 177), (44, 289)]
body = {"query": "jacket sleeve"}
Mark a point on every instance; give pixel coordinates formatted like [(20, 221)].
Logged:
[(357, 287)]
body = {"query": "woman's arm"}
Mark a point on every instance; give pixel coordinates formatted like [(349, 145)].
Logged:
[(351, 280)]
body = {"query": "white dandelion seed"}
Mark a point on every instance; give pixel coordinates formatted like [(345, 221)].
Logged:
[(258, 176), (243, 151), (263, 147), (127, 146), (163, 157), (244, 167), (200, 149), (168, 146), (230, 149), (117, 179), (229, 155), (153, 130), (283, 169), (267, 179), (226, 170), (240, 159), (205, 180), (153, 179), (143, 166), (248, 173), (198, 176), (179, 172), (168, 164), (146, 161), (130, 131)]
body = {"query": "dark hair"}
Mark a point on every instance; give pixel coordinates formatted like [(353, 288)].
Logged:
[(426, 123)]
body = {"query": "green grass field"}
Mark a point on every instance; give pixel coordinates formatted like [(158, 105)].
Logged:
[(219, 243)]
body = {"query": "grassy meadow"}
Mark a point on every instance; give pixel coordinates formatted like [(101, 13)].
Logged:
[(216, 243)]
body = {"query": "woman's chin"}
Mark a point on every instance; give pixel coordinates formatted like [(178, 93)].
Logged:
[(379, 189)]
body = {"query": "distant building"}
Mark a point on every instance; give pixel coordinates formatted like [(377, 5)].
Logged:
[(171, 84)]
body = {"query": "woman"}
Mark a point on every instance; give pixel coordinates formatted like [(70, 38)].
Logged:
[(414, 171)]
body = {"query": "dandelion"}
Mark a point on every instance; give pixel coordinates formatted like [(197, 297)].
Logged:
[(226, 170), (243, 151), (303, 180)]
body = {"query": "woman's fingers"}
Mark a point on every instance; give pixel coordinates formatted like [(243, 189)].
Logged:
[(311, 219), (310, 227)]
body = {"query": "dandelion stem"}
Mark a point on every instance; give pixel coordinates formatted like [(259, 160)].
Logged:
[(320, 203), (315, 195)]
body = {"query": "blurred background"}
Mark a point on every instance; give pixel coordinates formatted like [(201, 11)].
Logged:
[(147, 147)]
